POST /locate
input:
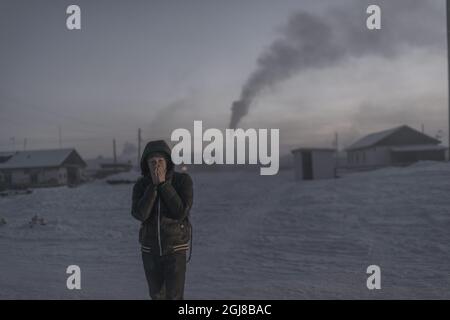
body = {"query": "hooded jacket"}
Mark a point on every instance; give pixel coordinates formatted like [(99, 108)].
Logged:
[(163, 209)]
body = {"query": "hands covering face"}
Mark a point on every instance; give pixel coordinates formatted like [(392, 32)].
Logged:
[(158, 167)]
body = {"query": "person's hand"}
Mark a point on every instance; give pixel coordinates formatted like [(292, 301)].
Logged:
[(153, 172), (157, 169), (160, 174)]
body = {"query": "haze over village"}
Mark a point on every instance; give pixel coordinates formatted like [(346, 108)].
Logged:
[(317, 148), (84, 89)]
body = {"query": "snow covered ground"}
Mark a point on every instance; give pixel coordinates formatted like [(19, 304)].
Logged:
[(254, 237)]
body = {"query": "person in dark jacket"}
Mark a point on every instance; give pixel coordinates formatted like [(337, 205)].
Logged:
[(162, 199)]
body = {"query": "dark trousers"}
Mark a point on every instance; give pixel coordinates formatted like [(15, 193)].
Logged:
[(165, 275)]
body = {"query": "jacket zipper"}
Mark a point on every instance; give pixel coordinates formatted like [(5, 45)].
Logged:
[(159, 226)]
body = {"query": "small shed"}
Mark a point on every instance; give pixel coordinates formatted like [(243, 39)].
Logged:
[(314, 163)]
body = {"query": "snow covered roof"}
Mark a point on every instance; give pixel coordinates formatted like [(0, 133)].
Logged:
[(5, 156), (372, 138), (313, 150), (39, 158), (375, 138), (6, 153), (417, 147)]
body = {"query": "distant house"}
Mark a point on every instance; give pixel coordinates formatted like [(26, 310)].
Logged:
[(99, 168), (38, 168), (314, 163), (397, 146), (4, 156)]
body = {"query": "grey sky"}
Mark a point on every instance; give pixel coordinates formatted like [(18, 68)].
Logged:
[(159, 65)]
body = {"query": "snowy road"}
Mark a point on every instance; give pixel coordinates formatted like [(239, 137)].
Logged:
[(254, 237)]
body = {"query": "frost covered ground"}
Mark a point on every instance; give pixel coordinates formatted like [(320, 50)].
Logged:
[(254, 237)]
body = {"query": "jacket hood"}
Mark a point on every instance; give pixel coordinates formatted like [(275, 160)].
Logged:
[(156, 146)]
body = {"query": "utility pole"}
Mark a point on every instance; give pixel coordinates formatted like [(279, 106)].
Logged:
[(24, 144), (114, 151), (139, 147), (336, 141), (13, 141), (336, 145), (59, 137), (447, 3)]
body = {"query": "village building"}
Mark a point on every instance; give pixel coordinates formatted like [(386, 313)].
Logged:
[(397, 146), (41, 168), (314, 163)]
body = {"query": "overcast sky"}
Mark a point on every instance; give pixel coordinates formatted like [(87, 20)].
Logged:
[(160, 65)]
